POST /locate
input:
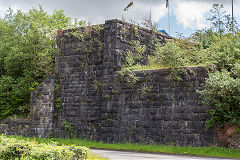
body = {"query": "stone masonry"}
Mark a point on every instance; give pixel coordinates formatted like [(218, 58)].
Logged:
[(98, 102)]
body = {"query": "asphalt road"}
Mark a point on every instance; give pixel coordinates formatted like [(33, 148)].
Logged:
[(122, 155)]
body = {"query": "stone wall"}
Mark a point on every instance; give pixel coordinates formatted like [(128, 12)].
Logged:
[(42, 107), (155, 110), (102, 107), (21, 127), (40, 122), (89, 93)]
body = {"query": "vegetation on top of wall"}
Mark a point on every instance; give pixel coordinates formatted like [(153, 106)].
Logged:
[(203, 48), (134, 57), (85, 35), (89, 42)]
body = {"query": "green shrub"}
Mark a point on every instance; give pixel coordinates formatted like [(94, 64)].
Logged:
[(135, 55), (222, 94), (11, 149), (222, 90), (68, 128), (169, 55), (225, 52)]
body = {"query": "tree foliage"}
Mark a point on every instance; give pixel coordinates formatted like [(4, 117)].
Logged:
[(222, 90), (27, 50), (221, 45), (220, 22)]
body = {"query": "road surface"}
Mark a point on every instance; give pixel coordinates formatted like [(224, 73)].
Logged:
[(122, 155)]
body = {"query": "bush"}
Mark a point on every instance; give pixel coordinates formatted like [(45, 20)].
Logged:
[(169, 55), (222, 90), (225, 52), (12, 148), (135, 57), (222, 94)]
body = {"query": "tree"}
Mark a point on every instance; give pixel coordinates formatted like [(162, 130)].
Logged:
[(27, 51), (221, 22), (149, 23), (222, 89), (217, 18)]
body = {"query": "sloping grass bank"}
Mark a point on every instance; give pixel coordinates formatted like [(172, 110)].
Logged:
[(199, 151)]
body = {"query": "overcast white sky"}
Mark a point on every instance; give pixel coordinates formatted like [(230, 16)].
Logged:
[(186, 15)]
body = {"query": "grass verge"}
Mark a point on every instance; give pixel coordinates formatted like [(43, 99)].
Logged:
[(96, 157), (199, 151)]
